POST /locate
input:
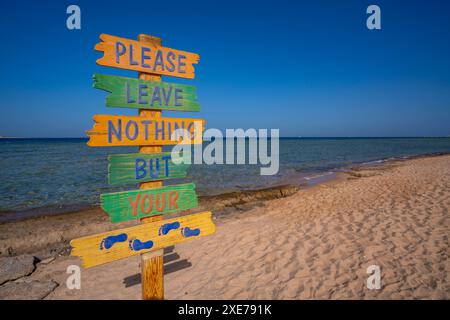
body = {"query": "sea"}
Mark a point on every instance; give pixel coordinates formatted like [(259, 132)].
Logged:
[(51, 176)]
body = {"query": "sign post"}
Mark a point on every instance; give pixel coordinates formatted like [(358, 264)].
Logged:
[(149, 131), (152, 264)]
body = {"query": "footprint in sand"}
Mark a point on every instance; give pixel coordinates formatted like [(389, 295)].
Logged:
[(137, 245), (165, 228), (188, 232), (108, 242)]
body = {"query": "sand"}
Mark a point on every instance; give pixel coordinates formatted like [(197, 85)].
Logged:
[(314, 244)]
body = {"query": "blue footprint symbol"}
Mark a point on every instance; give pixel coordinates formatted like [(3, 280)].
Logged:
[(137, 245), (188, 232), (108, 242), (165, 228)]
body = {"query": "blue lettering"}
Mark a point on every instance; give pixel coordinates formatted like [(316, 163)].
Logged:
[(159, 130), (169, 130), (144, 57), (152, 174), (181, 64), (191, 129), (178, 97), (129, 99), (132, 62), (166, 159), (156, 96), (141, 172), (175, 128), (112, 130), (170, 58), (158, 60), (167, 96), (127, 130), (142, 93), (146, 123), (120, 50)]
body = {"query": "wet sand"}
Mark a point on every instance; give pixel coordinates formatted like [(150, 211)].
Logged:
[(50, 235), (314, 244)]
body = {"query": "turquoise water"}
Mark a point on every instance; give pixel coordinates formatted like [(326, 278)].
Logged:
[(56, 175)]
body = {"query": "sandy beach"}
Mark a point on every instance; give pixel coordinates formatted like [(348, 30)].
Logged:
[(312, 243)]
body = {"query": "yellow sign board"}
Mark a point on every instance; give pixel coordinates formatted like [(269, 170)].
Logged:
[(118, 244)]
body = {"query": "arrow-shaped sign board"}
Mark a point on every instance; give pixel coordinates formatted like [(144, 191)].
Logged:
[(141, 167), (109, 131), (143, 203), (137, 56), (143, 94), (118, 244)]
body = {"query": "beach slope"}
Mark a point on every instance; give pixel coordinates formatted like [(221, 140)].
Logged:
[(314, 244)]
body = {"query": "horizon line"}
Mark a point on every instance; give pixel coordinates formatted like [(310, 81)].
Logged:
[(284, 137)]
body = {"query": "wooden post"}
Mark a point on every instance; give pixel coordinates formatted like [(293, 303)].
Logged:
[(152, 271)]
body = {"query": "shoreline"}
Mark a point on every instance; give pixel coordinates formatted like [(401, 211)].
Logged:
[(302, 180), (309, 243), (49, 235), (60, 228)]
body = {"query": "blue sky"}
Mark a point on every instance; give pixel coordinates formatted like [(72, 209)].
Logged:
[(309, 68)]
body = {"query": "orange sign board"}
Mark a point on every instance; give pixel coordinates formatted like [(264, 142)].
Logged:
[(134, 55), (111, 131)]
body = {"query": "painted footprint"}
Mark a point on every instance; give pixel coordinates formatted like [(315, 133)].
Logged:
[(108, 242), (188, 232), (165, 228), (137, 245)]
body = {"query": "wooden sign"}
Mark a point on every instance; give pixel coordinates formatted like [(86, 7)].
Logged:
[(142, 203), (140, 167), (111, 131), (142, 94), (148, 168), (149, 58), (118, 244)]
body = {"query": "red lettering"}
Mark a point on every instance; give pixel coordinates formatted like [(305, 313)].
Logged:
[(161, 201), (173, 197), (134, 204), (150, 205)]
